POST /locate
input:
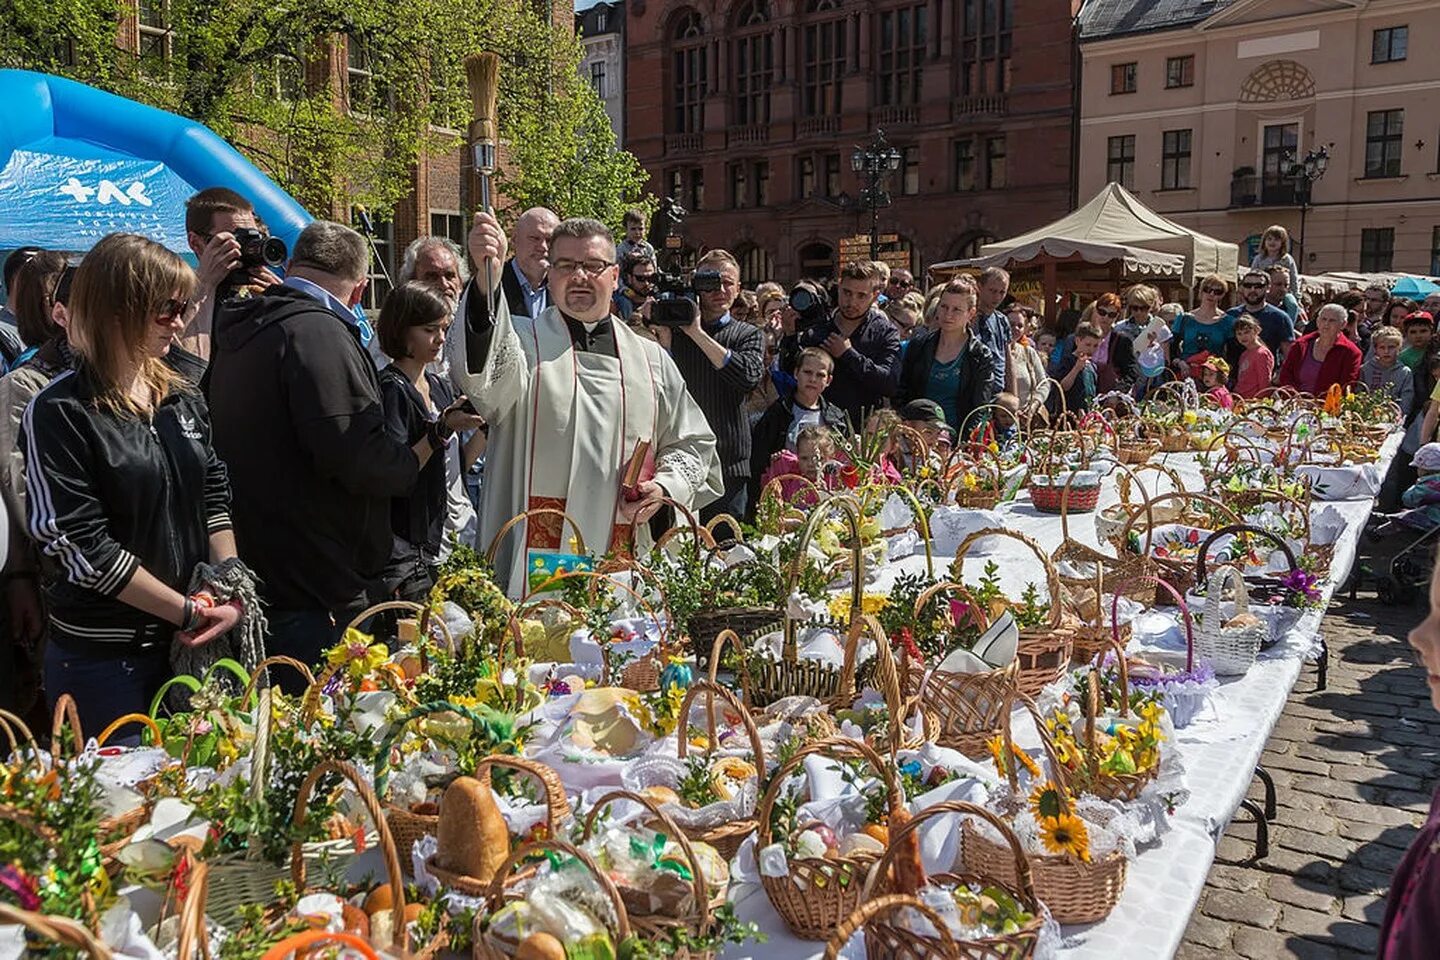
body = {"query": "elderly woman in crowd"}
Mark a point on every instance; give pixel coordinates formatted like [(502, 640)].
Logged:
[(1032, 387), (1320, 360)]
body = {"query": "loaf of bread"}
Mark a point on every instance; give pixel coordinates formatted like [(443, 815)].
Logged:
[(471, 839)]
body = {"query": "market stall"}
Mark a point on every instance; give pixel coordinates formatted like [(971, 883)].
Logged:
[(1111, 241), (1009, 704)]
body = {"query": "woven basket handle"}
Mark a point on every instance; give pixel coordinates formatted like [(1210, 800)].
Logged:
[(698, 888), (67, 715), (879, 907), (1183, 496), (382, 828), (1216, 586), (557, 805), (193, 933), (524, 518), (120, 723), (58, 930), (1238, 528), (17, 732), (1052, 576), (842, 746), (882, 866), (1061, 776), (1185, 618), (387, 745), (261, 672), (597, 580), (712, 690), (495, 895), (850, 511), (288, 947)]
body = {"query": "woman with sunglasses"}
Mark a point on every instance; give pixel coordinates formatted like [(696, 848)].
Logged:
[(126, 492), (1114, 359), (1206, 330)]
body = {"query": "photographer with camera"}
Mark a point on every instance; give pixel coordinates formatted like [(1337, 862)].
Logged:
[(721, 361), (863, 341), (235, 254)]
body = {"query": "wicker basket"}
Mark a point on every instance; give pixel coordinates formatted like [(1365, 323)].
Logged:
[(888, 941), (1178, 573), (654, 926), (766, 680), (883, 939), (820, 892), (1264, 585), (57, 930), (727, 838), (1074, 890), (1044, 651), (966, 707), (242, 878), (487, 946), (1230, 651), (1111, 786), (557, 813)]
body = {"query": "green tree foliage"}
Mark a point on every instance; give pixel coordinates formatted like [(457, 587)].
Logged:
[(239, 67)]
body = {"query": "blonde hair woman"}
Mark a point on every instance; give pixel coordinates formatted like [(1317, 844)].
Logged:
[(948, 364), (125, 489)]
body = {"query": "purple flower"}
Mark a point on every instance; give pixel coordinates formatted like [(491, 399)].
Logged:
[(1301, 586), (23, 886)]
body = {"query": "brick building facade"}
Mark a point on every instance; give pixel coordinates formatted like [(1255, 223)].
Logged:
[(748, 111)]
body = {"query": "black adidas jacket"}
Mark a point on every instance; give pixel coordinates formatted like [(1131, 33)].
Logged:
[(299, 423), (110, 494)]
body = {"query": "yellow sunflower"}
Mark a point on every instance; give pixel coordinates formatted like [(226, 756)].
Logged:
[(1045, 801), (1066, 834)]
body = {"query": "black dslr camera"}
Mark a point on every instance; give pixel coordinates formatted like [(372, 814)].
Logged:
[(810, 303), (676, 300), (259, 249)]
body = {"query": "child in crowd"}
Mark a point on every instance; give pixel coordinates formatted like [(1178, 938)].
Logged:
[(1419, 329), (1006, 420), (927, 418), (1256, 367), (1076, 370), (880, 429), (1045, 344), (813, 462), (1213, 377), (1385, 371)]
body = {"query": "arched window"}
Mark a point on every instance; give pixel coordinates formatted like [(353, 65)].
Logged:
[(756, 266), (688, 79), (824, 58), (968, 246), (753, 51), (817, 261)]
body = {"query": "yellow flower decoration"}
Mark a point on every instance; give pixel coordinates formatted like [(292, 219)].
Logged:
[(1151, 712), (1045, 801), (870, 603), (357, 654), (1066, 834)]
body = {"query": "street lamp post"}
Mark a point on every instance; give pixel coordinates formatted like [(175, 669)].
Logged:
[(1304, 173), (875, 163)]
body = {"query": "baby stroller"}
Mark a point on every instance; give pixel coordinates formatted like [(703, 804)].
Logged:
[(1404, 545)]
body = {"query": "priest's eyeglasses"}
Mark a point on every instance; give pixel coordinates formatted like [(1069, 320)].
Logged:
[(564, 268)]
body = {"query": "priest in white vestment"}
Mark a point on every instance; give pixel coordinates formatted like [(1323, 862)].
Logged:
[(571, 396)]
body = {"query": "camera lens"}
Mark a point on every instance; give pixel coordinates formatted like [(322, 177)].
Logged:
[(273, 252), (801, 299)]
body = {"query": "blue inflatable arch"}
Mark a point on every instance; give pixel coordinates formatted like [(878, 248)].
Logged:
[(77, 163)]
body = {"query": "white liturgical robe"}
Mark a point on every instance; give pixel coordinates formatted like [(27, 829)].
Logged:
[(564, 426)]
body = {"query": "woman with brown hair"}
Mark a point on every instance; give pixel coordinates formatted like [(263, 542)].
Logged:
[(947, 364), (126, 492)]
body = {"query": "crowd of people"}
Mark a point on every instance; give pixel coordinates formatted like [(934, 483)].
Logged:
[(183, 447)]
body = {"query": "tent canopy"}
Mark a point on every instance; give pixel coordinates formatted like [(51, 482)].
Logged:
[(1114, 225), (77, 163)]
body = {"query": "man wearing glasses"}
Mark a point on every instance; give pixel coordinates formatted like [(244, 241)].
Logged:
[(639, 274), (722, 362), (1377, 299), (901, 282), (589, 420), (1275, 327)]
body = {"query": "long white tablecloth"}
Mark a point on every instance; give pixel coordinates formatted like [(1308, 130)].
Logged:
[(1220, 750)]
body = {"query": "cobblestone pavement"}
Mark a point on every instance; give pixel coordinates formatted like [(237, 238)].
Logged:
[(1354, 768)]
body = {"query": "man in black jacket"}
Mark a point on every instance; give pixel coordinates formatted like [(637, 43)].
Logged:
[(525, 274), (297, 417), (863, 341), (722, 361)]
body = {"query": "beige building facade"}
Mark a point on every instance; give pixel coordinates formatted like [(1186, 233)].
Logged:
[(1204, 108)]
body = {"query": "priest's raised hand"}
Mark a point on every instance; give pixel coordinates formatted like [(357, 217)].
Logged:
[(487, 246)]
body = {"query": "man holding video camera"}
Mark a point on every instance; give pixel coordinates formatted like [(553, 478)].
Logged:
[(235, 254), (722, 361)]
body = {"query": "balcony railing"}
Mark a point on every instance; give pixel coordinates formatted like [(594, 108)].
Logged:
[(815, 126), (684, 142), (1254, 190), (896, 116), (749, 133), (980, 105)]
